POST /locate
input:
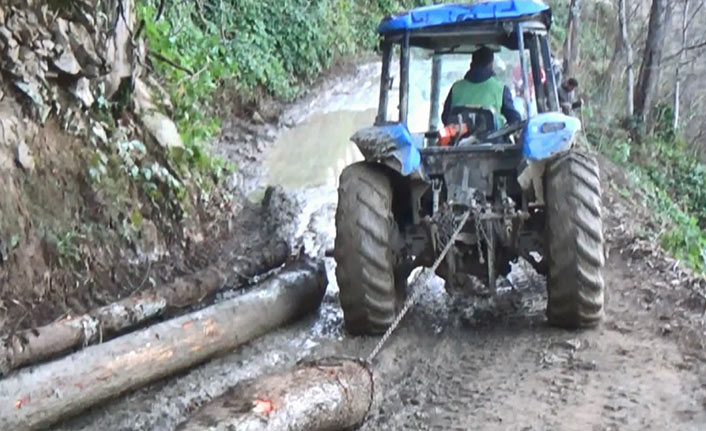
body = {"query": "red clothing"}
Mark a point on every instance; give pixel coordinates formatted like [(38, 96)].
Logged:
[(517, 79)]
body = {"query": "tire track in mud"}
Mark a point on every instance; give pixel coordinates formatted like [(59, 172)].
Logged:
[(520, 374)]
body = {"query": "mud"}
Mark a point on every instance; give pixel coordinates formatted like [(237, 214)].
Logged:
[(455, 362)]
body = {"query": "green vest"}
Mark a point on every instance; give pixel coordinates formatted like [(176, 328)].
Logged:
[(487, 94)]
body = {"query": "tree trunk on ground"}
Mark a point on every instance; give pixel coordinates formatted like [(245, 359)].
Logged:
[(571, 43), (627, 48), (35, 345), (649, 70), (38, 397), (326, 395), (682, 53)]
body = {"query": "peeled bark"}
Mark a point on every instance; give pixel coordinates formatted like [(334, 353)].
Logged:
[(38, 397), (326, 395), (32, 346)]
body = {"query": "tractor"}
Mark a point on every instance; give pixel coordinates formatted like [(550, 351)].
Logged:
[(530, 190)]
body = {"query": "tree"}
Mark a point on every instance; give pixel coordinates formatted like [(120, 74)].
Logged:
[(627, 48), (646, 88), (571, 43), (677, 70)]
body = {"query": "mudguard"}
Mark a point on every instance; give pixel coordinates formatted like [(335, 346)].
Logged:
[(548, 134), (392, 145)]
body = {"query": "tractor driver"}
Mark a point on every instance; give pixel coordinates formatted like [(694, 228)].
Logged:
[(480, 87)]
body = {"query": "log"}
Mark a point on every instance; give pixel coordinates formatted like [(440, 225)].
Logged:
[(325, 395), (36, 397), (35, 345)]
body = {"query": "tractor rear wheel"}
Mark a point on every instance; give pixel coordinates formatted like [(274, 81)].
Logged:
[(574, 238), (366, 232)]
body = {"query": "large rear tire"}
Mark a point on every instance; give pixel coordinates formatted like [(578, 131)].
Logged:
[(574, 232), (365, 234)]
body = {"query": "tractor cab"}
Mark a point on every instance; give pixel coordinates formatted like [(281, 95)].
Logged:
[(434, 44)]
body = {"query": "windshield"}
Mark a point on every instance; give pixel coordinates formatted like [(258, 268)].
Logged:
[(507, 68)]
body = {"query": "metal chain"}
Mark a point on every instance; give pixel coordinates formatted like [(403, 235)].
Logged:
[(479, 231), (417, 288)]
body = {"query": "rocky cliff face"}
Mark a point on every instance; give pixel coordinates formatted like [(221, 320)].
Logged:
[(90, 163)]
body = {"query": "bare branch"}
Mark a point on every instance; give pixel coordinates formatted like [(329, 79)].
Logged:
[(695, 13), (698, 45), (164, 59)]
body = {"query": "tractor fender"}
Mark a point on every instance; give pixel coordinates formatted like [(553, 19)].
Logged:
[(391, 145), (548, 134)]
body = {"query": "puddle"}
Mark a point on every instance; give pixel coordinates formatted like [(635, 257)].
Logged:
[(313, 153)]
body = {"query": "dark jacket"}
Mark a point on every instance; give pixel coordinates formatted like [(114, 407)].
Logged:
[(477, 75), (566, 100)]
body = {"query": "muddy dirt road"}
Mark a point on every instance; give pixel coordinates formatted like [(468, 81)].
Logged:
[(459, 363)]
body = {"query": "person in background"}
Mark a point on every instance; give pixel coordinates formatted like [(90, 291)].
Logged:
[(566, 96)]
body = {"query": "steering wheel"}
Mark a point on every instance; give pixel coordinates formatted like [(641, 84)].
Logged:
[(508, 129)]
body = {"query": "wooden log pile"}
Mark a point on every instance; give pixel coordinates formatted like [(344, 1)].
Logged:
[(35, 398), (31, 346)]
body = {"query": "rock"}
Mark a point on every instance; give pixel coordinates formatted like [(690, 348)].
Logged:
[(31, 63), (6, 38), (6, 162), (48, 45), (118, 53), (25, 28), (81, 89), (84, 50), (99, 132), (11, 128), (23, 157), (257, 117), (60, 30), (31, 89), (67, 63), (159, 94), (162, 129), (142, 97)]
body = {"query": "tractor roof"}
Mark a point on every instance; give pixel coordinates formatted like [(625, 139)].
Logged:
[(444, 25)]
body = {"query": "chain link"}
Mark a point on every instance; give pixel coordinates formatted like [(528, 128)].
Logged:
[(479, 231), (417, 288)]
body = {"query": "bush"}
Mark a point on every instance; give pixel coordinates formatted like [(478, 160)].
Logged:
[(672, 183), (249, 46)]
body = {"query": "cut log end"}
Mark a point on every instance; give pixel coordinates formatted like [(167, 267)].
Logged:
[(325, 395)]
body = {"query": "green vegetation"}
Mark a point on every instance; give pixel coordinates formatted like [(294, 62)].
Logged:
[(671, 184), (252, 47), (671, 181)]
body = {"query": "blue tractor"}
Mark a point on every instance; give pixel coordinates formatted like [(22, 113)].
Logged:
[(530, 192)]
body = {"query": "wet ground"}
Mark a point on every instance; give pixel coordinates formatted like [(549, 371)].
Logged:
[(454, 363)]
